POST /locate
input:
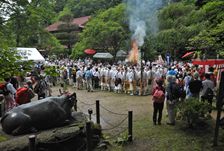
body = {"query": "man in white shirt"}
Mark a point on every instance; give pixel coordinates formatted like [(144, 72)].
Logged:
[(103, 73), (96, 78), (150, 79), (130, 76), (125, 80), (79, 76), (113, 73)]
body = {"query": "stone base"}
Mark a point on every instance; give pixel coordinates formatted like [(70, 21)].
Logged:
[(66, 138)]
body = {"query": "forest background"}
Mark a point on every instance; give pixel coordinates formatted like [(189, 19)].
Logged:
[(181, 26)]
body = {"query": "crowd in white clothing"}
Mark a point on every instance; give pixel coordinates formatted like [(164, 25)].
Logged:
[(118, 77)]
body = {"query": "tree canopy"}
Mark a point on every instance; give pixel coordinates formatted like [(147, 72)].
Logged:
[(183, 25), (89, 7), (10, 64), (105, 32)]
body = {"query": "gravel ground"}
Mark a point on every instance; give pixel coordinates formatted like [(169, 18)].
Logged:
[(111, 105), (117, 103)]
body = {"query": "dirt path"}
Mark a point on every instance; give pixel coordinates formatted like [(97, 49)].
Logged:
[(111, 104)]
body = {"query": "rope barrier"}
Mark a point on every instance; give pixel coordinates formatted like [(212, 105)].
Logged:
[(112, 111), (86, 103), (122, 131), (112, 126), (115, 125), (107, 122), (82, 111)]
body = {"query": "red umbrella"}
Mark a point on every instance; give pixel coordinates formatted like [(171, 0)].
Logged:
[(90, 51), (187, 54)]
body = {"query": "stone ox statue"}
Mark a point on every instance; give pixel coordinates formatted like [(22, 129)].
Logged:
[(37, 115)]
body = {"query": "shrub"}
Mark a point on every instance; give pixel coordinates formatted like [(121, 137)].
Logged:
[(193, 111)]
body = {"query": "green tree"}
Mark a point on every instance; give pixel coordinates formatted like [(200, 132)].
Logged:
[(11, 64), (210, 40), (177, 22), (90, 7), (27, 20), (51, 44), (59, 5), (68, 32), (149, 48), (106, 32)]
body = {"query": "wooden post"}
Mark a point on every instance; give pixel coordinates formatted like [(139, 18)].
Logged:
[(75, 103), (219, 105), (60, 92), (90, 111), (97, 111), (32, 143), (141, 81), (1, 109), (89, 136), (130, 116)]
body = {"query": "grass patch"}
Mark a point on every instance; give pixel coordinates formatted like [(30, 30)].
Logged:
[(2, 138), (170, 138)]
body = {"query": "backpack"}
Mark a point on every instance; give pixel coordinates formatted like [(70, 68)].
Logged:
[(65, 75), (23, 95), (40, 87), (208, 93), (176, 91), (88, 74), (3, 89), (158, 96), (181, 92)]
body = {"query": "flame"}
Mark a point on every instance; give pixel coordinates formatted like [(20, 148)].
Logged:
[(133, 55)]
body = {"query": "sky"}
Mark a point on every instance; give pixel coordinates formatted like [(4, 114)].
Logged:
[(4, 9)]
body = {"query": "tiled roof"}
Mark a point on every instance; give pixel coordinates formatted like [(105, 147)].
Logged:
[(77, 21)]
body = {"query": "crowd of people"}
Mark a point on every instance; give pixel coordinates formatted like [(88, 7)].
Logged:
[(170, 83)]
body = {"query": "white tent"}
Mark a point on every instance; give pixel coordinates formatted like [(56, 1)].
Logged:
[(121, 53), (30, 54), (103, 55)]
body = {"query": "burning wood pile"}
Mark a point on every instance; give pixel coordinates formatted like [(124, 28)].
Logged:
[(134, 53)]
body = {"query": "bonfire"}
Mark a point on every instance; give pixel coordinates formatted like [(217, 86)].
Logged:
[(134, 53)]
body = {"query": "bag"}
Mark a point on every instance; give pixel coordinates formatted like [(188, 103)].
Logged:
[(117, 81), (150, 79), (182, 92), (158, 96), (37, 88), (3, 89), (65, 75), (41, 87), (176, 91), (23, 95), (103, 79), (208, 93)]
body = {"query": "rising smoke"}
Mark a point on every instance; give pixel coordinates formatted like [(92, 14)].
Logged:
[(142, 17)]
